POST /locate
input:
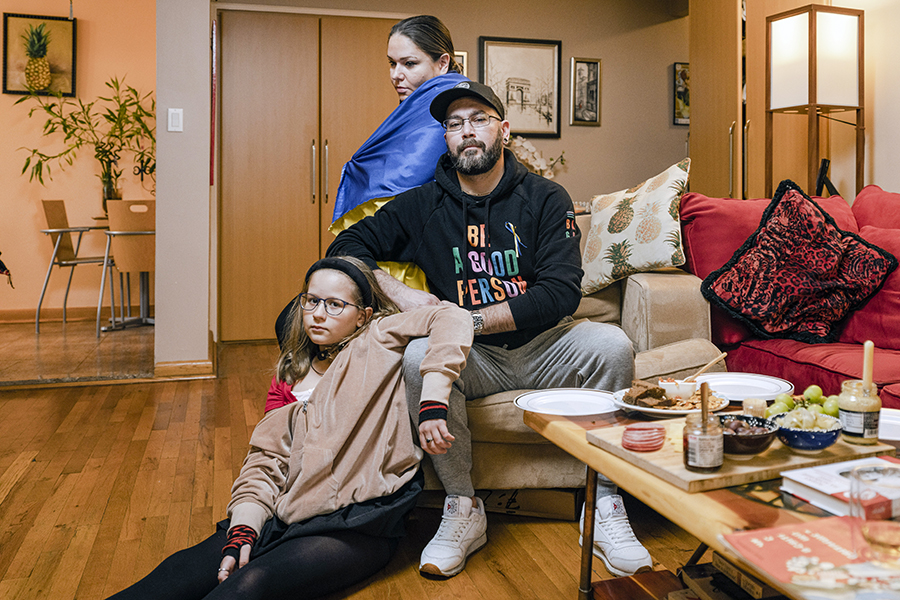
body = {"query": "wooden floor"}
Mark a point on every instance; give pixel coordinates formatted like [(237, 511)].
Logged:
[(66, 352), (99, 483)]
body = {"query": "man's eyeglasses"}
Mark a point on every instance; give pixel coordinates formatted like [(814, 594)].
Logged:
[(333, 306), (479, 121)]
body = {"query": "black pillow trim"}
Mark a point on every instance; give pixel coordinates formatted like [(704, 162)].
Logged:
[(801, 336)]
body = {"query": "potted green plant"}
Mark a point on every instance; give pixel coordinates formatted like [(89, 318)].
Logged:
[(122, 123)]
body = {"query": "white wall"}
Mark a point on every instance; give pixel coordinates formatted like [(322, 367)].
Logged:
[(184, 256), (882, 92)]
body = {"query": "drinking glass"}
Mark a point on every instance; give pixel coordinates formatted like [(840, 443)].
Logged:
[(874, 493)]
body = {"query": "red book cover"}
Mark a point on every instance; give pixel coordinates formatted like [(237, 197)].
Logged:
[(826, 556)]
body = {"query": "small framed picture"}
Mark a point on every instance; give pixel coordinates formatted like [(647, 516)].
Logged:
[(585, 92), (682, 104), (525, 76), (462, 59), (38, 55)]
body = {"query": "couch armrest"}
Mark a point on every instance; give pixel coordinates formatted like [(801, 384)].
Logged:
[(663, 307)]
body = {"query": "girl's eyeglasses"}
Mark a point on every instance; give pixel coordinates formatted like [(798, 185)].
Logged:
[(333, 306)]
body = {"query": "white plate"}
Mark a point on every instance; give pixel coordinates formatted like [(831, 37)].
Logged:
[(737, 387), (570, 402), (889, 424), (660, 412)]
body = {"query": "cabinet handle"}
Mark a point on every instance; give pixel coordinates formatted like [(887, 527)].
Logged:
[(731, 160), (325, 181), (313, 171), (746, 157)]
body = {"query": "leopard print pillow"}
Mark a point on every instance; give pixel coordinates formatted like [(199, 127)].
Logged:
[(797, 276)]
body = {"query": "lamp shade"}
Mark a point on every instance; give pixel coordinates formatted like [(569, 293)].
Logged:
[(790, 61), (837, 64), (814, 41)]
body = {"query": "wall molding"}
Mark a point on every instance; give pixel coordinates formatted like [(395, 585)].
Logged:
[(300, 10), (196, 368)]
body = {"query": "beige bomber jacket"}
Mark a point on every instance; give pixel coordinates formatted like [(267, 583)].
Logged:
[(353, 440)]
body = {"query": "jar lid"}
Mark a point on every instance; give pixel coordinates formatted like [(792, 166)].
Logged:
[(855, 386), (696, 419)]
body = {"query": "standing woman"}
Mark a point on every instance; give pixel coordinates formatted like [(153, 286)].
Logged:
[(322, 497), (403, 151)]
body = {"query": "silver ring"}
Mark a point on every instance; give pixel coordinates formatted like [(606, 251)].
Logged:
[(220, 570), (429, 440)]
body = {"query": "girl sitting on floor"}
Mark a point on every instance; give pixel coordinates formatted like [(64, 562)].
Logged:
[(322, 497)]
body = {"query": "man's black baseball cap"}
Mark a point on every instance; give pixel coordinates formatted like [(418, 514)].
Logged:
[(442, 101)]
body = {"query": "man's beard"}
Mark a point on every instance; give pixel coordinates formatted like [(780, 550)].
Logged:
[(478, 164)]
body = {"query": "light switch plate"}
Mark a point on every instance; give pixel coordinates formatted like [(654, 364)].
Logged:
[(176, 119)]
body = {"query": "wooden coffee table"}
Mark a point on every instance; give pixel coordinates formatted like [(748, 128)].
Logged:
[(705, 515)]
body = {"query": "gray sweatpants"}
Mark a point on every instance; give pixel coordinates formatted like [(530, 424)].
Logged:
[(578, 354)]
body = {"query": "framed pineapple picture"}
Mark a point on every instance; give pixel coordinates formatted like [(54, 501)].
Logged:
[(38, 55)]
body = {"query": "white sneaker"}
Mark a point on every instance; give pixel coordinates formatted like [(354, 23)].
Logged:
[(463, 530), (614, 541)]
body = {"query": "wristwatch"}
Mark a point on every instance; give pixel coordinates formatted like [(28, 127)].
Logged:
[(477, 322)]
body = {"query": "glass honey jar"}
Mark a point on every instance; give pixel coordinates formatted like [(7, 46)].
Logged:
[(858, 410)]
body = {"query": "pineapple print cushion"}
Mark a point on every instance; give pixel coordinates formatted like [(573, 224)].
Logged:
[(635, 230)]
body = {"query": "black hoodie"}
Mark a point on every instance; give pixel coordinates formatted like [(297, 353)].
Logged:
[(519, 244)]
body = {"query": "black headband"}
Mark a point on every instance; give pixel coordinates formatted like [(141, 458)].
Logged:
[(348, 269)]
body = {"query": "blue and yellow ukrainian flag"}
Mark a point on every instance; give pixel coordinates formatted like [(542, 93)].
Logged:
[(400, 155)]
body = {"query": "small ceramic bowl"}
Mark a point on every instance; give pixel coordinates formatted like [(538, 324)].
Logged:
[(678, 388), (810, 441), (745, 446)]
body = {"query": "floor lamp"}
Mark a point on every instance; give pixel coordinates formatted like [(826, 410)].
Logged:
[(814, 66)]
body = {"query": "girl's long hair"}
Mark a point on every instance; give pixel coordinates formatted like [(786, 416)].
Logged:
[(430, 35), (298, 351)]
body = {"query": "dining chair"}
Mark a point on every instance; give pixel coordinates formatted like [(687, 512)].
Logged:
[(132, 239), (65, 252)]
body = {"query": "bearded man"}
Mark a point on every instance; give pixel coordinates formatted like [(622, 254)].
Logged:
[(502, 243)]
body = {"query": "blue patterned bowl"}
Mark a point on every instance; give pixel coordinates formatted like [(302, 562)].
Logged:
[(809, 441)]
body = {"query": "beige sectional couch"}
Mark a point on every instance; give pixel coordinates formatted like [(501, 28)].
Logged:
[(668, 322)]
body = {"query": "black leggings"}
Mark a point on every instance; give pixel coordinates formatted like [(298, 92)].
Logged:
[(302, 567)]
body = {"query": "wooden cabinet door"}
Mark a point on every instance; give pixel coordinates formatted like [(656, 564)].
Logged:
[(268, 220), (357, 96), (716, 97)]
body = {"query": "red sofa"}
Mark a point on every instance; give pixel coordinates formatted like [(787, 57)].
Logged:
[(714, 228)]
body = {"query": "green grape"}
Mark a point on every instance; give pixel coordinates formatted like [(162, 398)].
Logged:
[(814, 394), (785, 399), (776, 408), (831, 406)]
